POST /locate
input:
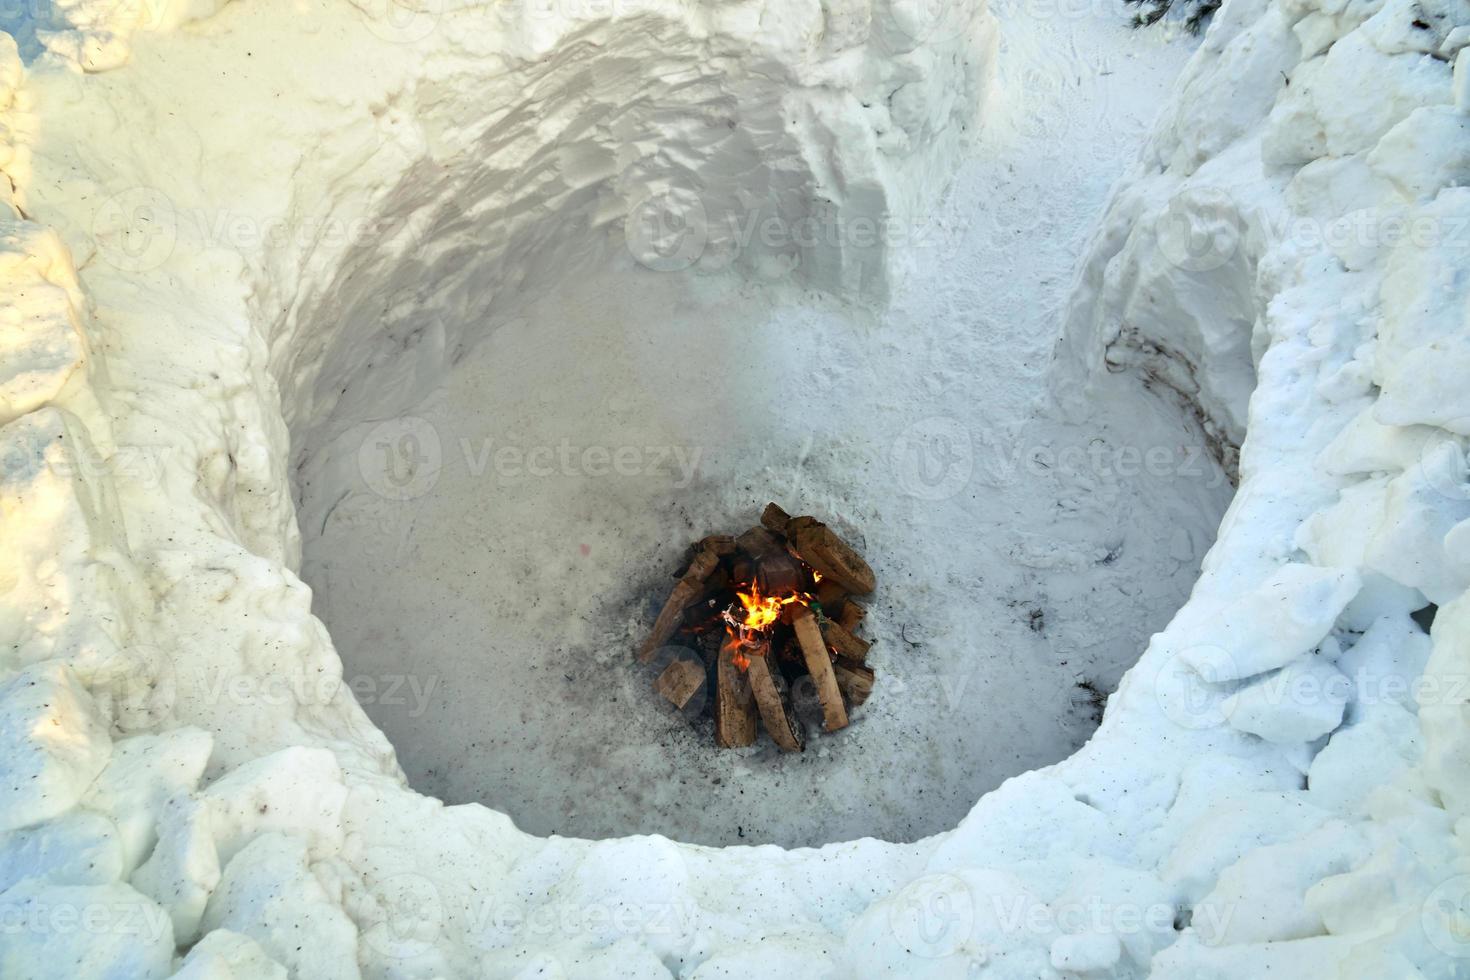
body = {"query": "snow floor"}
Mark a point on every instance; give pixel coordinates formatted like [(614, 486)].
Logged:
[(511, 539)]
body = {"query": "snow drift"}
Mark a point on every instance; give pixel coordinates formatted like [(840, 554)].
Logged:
[(1276, 785)]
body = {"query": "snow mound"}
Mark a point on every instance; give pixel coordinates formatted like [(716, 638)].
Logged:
[(1276, 786)]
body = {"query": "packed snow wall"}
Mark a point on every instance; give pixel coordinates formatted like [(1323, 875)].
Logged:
[(1275, 788)]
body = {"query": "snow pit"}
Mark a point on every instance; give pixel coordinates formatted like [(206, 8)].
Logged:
[(515, 425), (481, 551), (263, 262)]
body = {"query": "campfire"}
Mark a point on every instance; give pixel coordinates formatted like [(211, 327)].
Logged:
[(758, 617)]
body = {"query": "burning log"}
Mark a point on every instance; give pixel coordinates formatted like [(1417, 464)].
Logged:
[(688, 591), (772, 701), (819, 665), (758, 614), (820, 547), (735, 710), (679, 682)]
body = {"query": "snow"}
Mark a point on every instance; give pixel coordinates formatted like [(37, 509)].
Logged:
[(568, 458), (1282, 265)]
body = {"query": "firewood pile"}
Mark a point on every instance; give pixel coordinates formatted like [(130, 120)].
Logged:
[(756, 617)]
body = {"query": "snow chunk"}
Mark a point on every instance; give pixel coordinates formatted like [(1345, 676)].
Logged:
[(80, 848), (789, 953), (144, 773), (1343, 102), (1414, 26), (1086, 954), (1427, 151), (52, 744), (1420, 508), (1270, 626), (183, 870), (1262, 897), (296, 790), (1231, 829), (1386, 663), (269, 893), (1362, 755), (947, 924), (1446, 715), (623, 959), (71, 931), (225, 955), (40, 334), (1301, 702), (1320, 956), (1425, 296), (1366, 445), (61, 601), (1462, 80)]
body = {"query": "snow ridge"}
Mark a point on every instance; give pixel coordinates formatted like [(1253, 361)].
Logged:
[(1275, 789)]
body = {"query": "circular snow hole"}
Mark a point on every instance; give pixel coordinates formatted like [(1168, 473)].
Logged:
[(489, 551)]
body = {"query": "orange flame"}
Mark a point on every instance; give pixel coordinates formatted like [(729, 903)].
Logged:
[(762, 611), (759, 613)]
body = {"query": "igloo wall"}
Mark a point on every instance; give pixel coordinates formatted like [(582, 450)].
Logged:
[(1276, 786)]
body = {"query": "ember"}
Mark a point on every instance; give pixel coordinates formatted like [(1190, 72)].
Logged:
[(752, 617)]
